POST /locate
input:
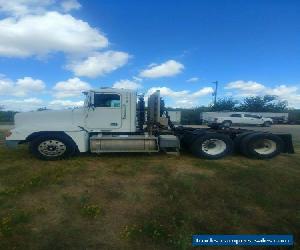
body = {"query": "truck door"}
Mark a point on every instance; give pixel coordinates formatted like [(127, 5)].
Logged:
[(105, 112), (251, 119), (236, 118)]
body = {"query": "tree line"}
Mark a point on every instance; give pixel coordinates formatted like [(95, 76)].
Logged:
[(267, 103)]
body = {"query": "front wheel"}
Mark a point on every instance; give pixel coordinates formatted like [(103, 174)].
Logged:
[(212, 146), (52, 147)]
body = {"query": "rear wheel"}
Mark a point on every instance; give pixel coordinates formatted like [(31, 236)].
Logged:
[(261, 146), (238, 139), (52, 147), (212, 146)]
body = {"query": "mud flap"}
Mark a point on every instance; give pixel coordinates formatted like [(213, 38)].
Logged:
[(288, 146)]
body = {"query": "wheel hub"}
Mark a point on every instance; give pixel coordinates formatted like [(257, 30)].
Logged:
[(52, 148), (214, 146), (265, 146)]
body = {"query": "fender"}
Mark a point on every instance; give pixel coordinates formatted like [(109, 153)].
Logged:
[(80, 138)]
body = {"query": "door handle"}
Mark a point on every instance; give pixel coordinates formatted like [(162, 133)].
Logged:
[(123, 111)]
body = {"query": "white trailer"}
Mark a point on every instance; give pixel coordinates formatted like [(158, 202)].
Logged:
[(111, 120)]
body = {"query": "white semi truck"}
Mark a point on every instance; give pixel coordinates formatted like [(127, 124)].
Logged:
[(112, 120)]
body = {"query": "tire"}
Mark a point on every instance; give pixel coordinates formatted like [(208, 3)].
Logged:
[(238, 139), (52, 147), (226, 124), (267, 124), (212, 146), (261, 145)]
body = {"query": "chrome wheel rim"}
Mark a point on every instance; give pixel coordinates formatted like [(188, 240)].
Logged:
[(52, 148), (265, 147), (214, 146)]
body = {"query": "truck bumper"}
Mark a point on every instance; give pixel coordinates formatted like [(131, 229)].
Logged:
[(12, 143)]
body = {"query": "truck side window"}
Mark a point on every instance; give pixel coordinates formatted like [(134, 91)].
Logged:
[(107, 100), (236, 115), (252, 116)]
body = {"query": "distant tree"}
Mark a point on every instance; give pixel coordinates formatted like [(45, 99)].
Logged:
[(224, 104), (7, 116), (267, 103), (42, 109)]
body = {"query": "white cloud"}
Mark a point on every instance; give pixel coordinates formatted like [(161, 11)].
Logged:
[(248, 87), (51, 32), (31, 104), (69, 88), (203, 91), (6, 85), (22, 87), (22, 104), (137, 79), (193, 79), (287, 93), (28, 85), (184, 98), (168, 68), (69, 5), (36, 28), (99, 64), (60, 104), (18, 8), (24, 7), (251, 88), (126, 84)]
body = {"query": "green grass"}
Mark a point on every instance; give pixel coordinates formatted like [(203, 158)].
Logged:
[(140, 201)]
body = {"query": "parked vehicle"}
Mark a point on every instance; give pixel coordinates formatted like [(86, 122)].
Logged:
[(238, 119), (112, 121)]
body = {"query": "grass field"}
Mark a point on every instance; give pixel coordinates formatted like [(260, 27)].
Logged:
[(140, 201)]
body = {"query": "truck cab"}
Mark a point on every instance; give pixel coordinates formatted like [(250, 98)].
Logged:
[(110, 110)]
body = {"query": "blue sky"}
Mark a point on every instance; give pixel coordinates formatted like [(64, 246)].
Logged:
[(50, 51)]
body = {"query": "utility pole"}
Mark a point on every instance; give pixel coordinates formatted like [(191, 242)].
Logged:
[(215, 92)]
